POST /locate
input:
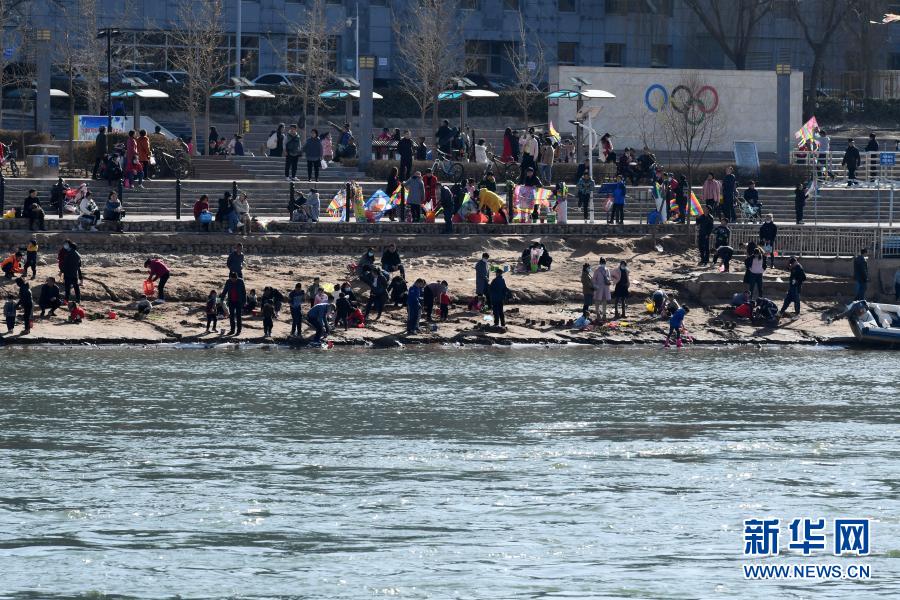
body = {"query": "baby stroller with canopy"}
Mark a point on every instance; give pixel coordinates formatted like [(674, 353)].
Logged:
[(750, 211)]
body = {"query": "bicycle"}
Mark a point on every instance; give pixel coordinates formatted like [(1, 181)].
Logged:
[(168, 165), (447, 167), (9, 167), (509, 171)]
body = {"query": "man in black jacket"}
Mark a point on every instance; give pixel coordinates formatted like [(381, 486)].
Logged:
[(767, 233), (405, 150), (851, 161), (705, 226), (729, 188), (50, 297), (390, 260), (797, 277), (71, 270), (234, 293), (99, 150), (861, 273), (447, 207)]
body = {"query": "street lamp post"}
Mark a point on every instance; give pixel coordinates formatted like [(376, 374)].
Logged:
[(356, 39), (108, 33)]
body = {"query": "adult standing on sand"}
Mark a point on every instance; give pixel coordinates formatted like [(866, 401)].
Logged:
[(601, 289), (157, 270), (235, 262), (235, 295), (498, 294), (587, 286), (70, 266), (26, 302), (414, 306), (482, 278), (705, 226)]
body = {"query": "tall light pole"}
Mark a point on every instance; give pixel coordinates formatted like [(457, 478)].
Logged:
[(356, 39), (108, 33)]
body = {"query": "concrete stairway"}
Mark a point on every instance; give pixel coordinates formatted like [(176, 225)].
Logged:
[(218, 167), (269, 197), (264, 167)]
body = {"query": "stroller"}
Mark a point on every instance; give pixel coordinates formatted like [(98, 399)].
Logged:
[(110, 169), (749, 212)]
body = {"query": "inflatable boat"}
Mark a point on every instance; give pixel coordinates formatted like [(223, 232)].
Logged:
[(873, 323)]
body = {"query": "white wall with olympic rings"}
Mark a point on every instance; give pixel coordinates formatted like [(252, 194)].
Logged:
[(746, 100)]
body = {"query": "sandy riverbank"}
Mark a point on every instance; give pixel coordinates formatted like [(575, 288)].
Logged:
[(542, 302)]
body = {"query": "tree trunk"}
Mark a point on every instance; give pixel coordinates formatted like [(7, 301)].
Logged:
[(71, 121), (815, 79), (434, 115), (206, 119)]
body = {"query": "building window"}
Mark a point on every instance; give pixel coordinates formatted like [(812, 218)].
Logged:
[(510, 4), (660, 55), (567, 5), (567, 53), (156, 51), (296, 53), (486, 56), (624, 7), (614, 55)]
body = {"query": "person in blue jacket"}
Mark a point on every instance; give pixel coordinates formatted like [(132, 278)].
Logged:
[(498, 294), (414, 306), (318, 317), (675, 324)]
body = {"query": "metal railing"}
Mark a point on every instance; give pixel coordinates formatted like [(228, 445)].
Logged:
[(870, 168), (824, 241)]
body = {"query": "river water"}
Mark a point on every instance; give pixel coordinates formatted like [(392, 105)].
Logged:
[(443, 473)]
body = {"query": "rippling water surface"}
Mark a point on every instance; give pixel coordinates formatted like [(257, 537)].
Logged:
[(517, 473)]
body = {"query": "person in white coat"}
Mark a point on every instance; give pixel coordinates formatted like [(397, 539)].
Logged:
[(602, 293)]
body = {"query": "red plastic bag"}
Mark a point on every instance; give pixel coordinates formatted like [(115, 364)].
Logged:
[(149, 288)]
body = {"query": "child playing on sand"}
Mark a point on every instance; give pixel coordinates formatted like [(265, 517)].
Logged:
[(31, 254), (268, 314), (356, 318), (212, 311), (143, 307), (9, 313), (583, 323), (344, 308), (445, 305), (76, 313), (675, 325)]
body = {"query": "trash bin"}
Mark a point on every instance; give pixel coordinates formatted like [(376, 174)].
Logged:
[(52, 166)]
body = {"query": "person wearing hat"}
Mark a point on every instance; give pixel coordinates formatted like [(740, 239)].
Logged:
[(851, 160), (12, 265)]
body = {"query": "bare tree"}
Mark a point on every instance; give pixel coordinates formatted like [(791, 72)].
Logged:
[(526, 56), (197, 39), (313, 39), (690, 124), (76, 49), (731, 24), (868, 36), (818, 21), (430, 52)]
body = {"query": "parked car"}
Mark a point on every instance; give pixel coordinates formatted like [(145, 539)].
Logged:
[(173, 78), (279, 81)]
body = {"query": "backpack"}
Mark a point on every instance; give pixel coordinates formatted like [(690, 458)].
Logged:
[(272, 142)]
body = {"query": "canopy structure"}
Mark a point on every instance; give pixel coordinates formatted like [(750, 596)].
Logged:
[(575, 94), (242, 93), (343, 94), (55, 93), (139, 93), (579, 93), (464, 96), (348, 96), (136, 93)]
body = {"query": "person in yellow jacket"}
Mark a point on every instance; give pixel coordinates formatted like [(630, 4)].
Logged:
[(12, 266)]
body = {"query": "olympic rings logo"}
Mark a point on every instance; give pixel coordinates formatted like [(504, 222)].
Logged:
[(683, 100)]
